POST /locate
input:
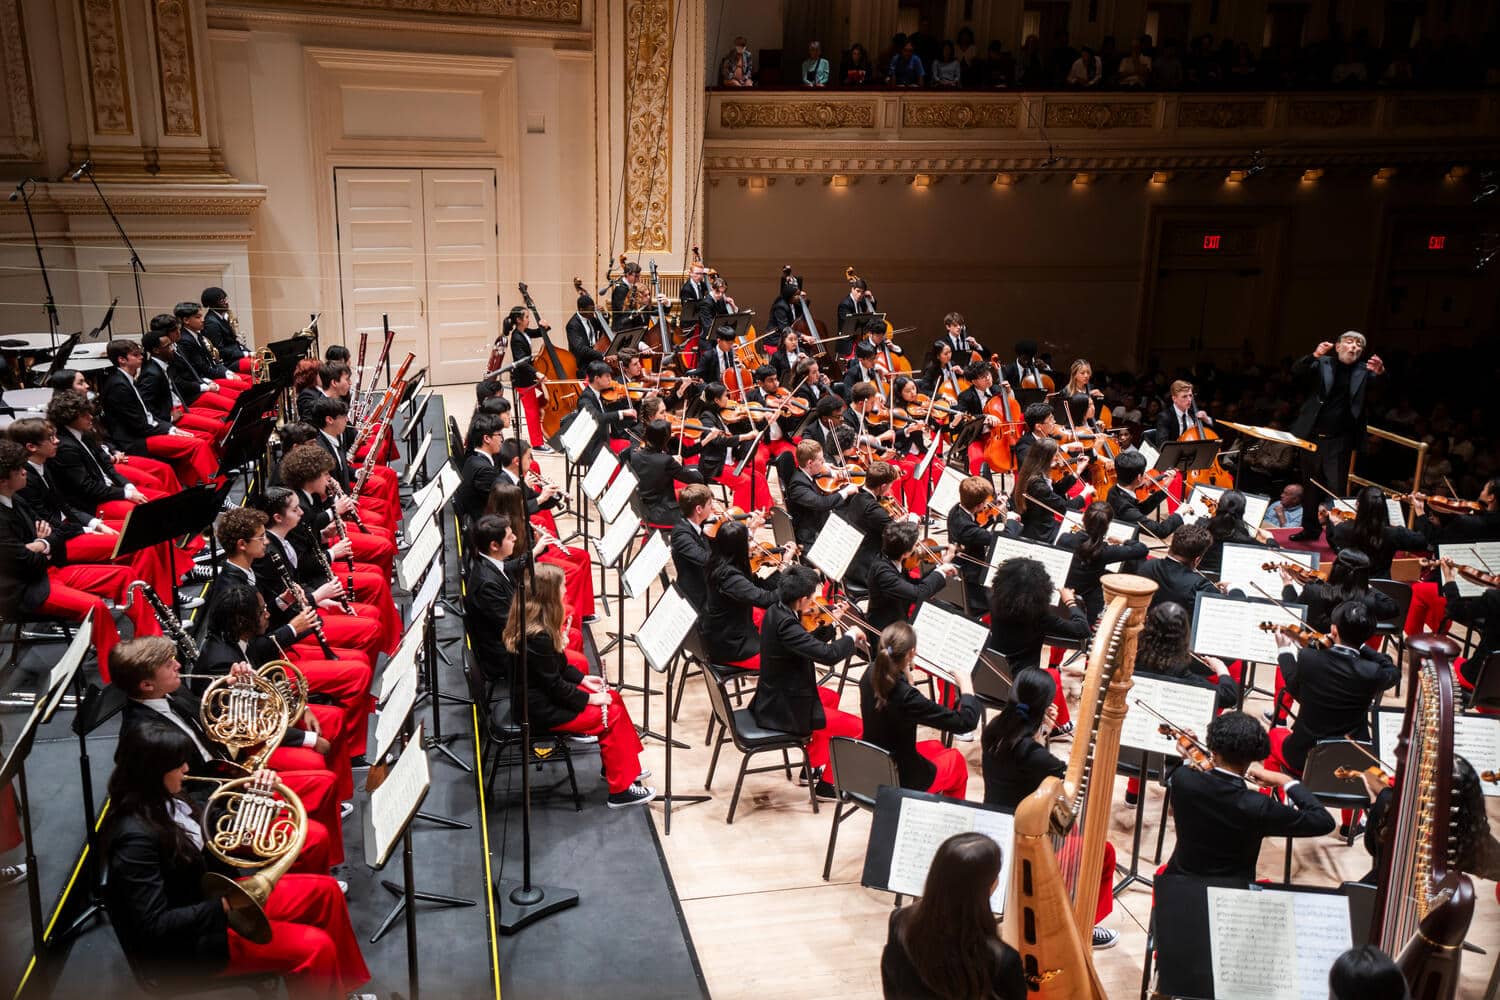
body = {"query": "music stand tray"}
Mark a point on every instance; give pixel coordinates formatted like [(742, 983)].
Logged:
[(168, 518), (1270, 434), (1187, 456)]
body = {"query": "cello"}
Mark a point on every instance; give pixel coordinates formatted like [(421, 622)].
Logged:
[(1213, 475), (999, 447), (558, 367)]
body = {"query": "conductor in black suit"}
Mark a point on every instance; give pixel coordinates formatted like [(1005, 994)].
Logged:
[(1221, 821), (1333, 417)]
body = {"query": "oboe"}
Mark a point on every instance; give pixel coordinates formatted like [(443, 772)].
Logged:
[(295, 590), (187, 649)]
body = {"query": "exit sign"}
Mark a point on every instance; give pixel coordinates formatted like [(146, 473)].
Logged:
[(1211, 241), (1436, 241)]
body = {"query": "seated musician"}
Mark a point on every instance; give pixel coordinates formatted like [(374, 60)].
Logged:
[(806, 503), (656, 469), (480, 467), (788, 697), (615, 417), (509, 501), (690, 545), (1176, 577), (1472, 846), (1348, 580), (828, 416), (1015, 762), (911, 443), (379, 504), (974, 540), (195, 349), (1037, 499), (867, 513), (894, 594), (1041, 425), (1093, 554), (1483, 610), (892, 708), (811, 382), (784, 311), (1022, 618), (865, 401), (1366, 973), (861, 369), (789, 353), (153, 845), (87, 474), (333, 382), (133, 428), (491, 585), (36, 581), (308, 470), (1483, 526), (1183, 415), (560, 698), (1334, 687), (1027, 364), (1227, 526), (1162, 651), (972, 401), (736, 597), (778, 438), (584, 330), (1130, 469), (1371, 531), (956, 337), (719, 457), (220, 331), (193, 387), (1220, 821), (715, 304), (146, 671)]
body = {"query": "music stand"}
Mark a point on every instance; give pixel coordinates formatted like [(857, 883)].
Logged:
[(61, 354), (627, 339), (401, 799), (292, 348), (890, 863), (160, 521), (1187, 456), (660, 641)]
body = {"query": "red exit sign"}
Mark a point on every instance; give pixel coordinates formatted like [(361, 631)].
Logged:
[(1211, 241), (1436, 241)]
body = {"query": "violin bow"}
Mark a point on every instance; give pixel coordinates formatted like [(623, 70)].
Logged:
[(1349, 738)]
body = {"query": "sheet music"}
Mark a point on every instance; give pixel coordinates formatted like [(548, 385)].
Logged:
[(1229, 628), (1321, 922), (661, 634), (419, 555), (1242, 567), (1054, 560), (393, 714), (834, 548), (419, 459), (575, 440), (947, 644), (1477, 554), (641, 574), (395, 801), (1187, 705), (599, 474), (1118, 532), (420, 494), (402, 661), (1255, 504), (920, 472), (1149, 453), (945, 492), (1253, 945), (1393, 513), (617, 538), (60, 678), (1476, 738), (1284, 437), (924, 825), (617, 497), (432, 585)]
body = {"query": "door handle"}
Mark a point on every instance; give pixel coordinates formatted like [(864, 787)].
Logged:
[(421, 308)]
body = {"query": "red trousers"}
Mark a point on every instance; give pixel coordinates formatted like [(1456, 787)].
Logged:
[(376, 549), (912, 491), (751, 480), (347, 683), (76, 590), (153, 565), (1060, 699), (149, 472), (578, 580), (952, 770), (312, 941), (304, 771), (619, 746), (363, 633), (192, 458), (1428, 608), (205, 424), (530, 402), (1106, 904), (374, 591), (382, 484), (10, 826), (838, 724)]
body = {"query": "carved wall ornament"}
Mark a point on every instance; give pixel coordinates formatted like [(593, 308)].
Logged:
[(109, 81), (546, 11), (25, 140), (1221, 114), (1331, 114), (1435, 112), (648, 139), (800, 114), (175, 67), (1095, 115), (959, 114)]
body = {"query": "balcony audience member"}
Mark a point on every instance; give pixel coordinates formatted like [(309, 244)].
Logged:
[(815, 67), (906, 68), (856, 70), (946, 71), (738, 68), (969, 63), (1086, 69), (1135, 68), (999, 67)]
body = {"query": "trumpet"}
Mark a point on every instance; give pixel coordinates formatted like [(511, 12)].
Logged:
[(251, 822)]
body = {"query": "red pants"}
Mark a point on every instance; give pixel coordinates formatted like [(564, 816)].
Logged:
[(976, 457), (912, 491), (149, 472), (533, 407), (75, 592), (10, 826), (1106, 904), (619, 746), (312, 941), (1277, 762), (361, 633), (381, 484), (304, 771), (376, 549), (152, 565), (347, 683), (839, 724), (578, 580), (192, 458), (952, 770), (753, 479), (751, 664), (203, 424), (1428, 608), (1060, 699), (373, 591)]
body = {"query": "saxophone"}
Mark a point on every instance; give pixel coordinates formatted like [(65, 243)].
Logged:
[(187, 649)]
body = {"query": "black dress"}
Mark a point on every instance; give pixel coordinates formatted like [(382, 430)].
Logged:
[(1012, 773)]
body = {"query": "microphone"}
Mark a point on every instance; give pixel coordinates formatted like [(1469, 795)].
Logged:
[(86, 168), (505, 368), (21, 188)]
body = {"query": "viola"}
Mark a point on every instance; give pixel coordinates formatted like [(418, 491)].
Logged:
[(892, 506), (1444, 505), (1300, 634), (689, 430), (823, 613), (1304, 574), (991, 510), (1473, 574), (763, 556), (789, 405), (928, 552), (711, 526), (1195, 753), (833, 480)]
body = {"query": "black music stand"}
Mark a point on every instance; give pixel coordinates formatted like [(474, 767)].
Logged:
[(1187, 456), (96, 706), (627, 339), (161, 521), (434, 693), (408, 895), (292, 348)]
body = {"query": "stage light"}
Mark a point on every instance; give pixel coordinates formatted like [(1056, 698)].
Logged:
[(1004, 180), (1385, 173), (1083, 179), (1312, 175), (1161, 177), (757, 183), (839, 180), (922, 181), (1235, 177)]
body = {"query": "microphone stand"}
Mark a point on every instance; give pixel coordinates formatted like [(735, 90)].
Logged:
[(136, 267), (53, 322)]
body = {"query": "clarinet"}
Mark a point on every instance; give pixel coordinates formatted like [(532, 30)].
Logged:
[(343, 530), (339, 494), (296, 591), (327, 565), (187, 649)]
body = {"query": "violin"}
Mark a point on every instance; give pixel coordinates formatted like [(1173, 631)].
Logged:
[(1444, 505), (1304, 574), (688, 430), (1493, 777), (788, 404), (711, 526), (763, 556), (823, 613), (892, 506), (1374, 771), (866, 454), (1154, 482), (1338, 515), (1473, 574), (992, 509), (634, 391), (832, 480), (1195, 753), (1301, 634), (928, 552), (735, 413)]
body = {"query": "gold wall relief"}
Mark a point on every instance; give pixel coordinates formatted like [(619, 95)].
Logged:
[(546, 11), (1100, 116), (1331, 114), (648, 138), (959, 114), (109, 82), (175, 67), (1221, 114), (1435, 112), (24, 141), (802, 114)]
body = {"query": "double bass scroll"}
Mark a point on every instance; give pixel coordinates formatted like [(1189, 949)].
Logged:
[(560, 390)]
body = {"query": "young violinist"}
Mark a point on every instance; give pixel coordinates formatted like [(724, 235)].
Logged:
[(1227, 527), (894, 592), (911, 443), (616, 416), (1037, 499), (563, 699), (940, 374), (868, 512), (1016, 761), (807, 504), (719, 457), (1371, 531), (976, 500), (690, 544), (787, 696), (812, 383), (656, 468), (1481, 525), (1093, 553), (153, 844), (1163, 651), (1041, 425), (828, 416), (717, 364), (737, 598), (1022, 618), (861, 369), (1130, 475), (1220, 821), (892, 708), (1483, 610), (778, 438), (1348, 580), (789, 353), (1176, 576)]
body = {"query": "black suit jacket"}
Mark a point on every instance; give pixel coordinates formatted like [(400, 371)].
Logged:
[(893, 726), (975, 542), (341, 468), (728, 624), (48, 503), (1168, 428), (688, 297), (1320, 601), (847, 307), (217, 330), (708, 310), (85, 473), (477, 476), (808, 507), (1132, 511), (1393, 538), (710, 366), (155, 386), (156, 902), (1021, 644), (552, 692), (1471, 528), (1221, 822), (1176, 583), (1315, 376), (582, 335), (786, 696), (23, 574), (187, 381), (1084, 576), (690, 557), (893, 592), (656, 472), (866, 516), (305, 400), (486, 608), (193, 349), (126, 421), (1334, 689)]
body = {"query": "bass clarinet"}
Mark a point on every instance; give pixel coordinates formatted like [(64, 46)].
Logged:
[(187, 649)]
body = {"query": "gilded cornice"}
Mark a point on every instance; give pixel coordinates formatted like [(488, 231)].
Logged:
[(1100, 114), (175, 66), (538, 18), (797, 114), (1221, 113), (959, 114), (151, 199)]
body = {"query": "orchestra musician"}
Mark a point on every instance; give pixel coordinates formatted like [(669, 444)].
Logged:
[(494, 571), (585, 329), (823, 428), (159, 392), (623, 311), (379, 506), (1163, 651), (894, 593), (972, 401), (1040, 425), (480, 467), (715, 364), (1093, 553), (974, 540), (1371, 532), (714, 305), (862, 369), (1130, 469), (911, 443), (778, 439), (690, 545), (867, 514), (1332, 417), (693, 290), (333, 382), (308, 470), (812, 382), (616, 417), (195, 349), (563, 699), (788, 354), (787, 696), (218, 329), (1022, 619), (1182, 415), (806, 504), (510, 500), (191, 388), (892, 708), (1348, 580), (1026, 364), (1483, 610), (859, 300), (719, 457), (1037, 499), (783, 312), (1227, 526), (130, 424), (736, 598), (87, 474), (656, 468), (956, 337), (517, 330), (1176, 575)]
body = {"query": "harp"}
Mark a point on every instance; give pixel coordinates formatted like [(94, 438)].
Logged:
[(1424, 903), (1062, 826)]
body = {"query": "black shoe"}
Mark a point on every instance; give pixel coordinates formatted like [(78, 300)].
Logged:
[(1348, 834), (635, 795), (824, 790), (1131, 798), (199, 574), (1307, 535), (803, 780)]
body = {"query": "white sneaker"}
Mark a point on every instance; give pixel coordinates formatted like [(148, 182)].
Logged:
[(12, 875), (964, 737), (345, 809), (343, 886)]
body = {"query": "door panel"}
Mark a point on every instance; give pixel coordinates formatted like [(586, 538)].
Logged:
[(462, 315), (381, 267)]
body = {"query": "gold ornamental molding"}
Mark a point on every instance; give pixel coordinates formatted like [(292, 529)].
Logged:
[(959, 114), (1435, 112), (152, 199), (175, 67), (1095, 115), (648, 139), (1331, 114), (797, 114), (539, 11), (24, 143), (109, 81), (1221, 114)]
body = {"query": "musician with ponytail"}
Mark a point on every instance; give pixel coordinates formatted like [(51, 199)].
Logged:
[(1093, 553)]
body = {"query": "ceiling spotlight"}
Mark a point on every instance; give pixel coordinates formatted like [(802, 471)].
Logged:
[(921, 181), (839, 180), (1161, 177), (1004, 179), (1385, 173), (1083, 178), (758, 183)]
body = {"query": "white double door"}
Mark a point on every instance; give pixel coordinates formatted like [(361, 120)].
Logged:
[(419, 247)]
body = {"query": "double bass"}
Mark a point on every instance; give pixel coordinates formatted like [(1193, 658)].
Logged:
[(808, 328), (561, 389)]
